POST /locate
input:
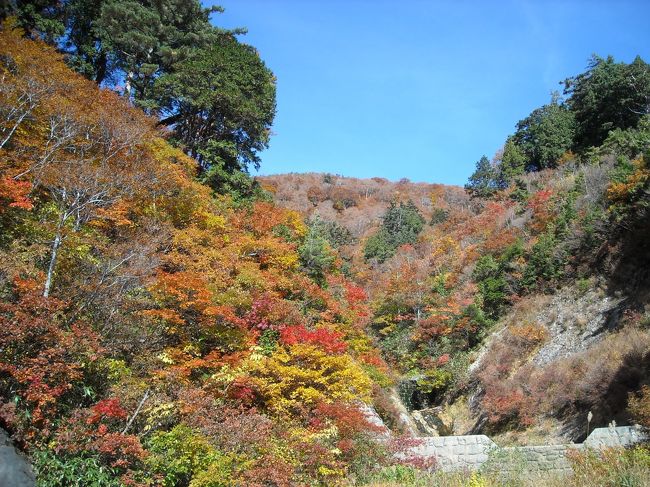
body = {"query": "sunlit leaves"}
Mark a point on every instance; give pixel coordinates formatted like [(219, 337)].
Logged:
[(171, 314), (42, 359), (303, 376)]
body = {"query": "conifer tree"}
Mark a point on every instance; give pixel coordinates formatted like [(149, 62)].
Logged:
[(607, 96), (545, 134), (483, 181)]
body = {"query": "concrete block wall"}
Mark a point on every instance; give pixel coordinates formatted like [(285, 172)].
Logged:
[(537, 458), (454, 452), (615, 437), (473, 451)]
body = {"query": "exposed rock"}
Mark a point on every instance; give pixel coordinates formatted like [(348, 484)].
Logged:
[(429, 422), (413, 397), (576, 321), (15, 470), (423, 425), (374, 419), (485, 348), (616, 436), (406, 422)]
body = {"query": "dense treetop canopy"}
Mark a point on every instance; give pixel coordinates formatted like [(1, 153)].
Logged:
[(213, 92), (608, 96)]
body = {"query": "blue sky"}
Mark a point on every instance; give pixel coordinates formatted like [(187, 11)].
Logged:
[(420, 89)]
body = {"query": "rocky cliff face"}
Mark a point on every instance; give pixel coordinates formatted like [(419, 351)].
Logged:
[(576, 319), (585, 350), (584, 355)]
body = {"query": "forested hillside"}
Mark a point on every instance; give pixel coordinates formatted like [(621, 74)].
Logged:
[(166, 319), (156, 328), (521, 303)]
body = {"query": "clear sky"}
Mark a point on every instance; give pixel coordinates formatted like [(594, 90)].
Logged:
[(420, 89)]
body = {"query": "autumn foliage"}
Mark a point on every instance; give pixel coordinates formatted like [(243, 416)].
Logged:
[(141, 314), (158, 332)]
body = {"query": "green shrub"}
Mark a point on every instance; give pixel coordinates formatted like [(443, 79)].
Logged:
[(337, 235), (489, 276), (543, 263), (593, 225), (182, 456), (434, 380), (401, 225), (403, 475), (72, 471), (584, 285), (316, 255), (625, 468), (439, 216), (219, 473), (268, 341)]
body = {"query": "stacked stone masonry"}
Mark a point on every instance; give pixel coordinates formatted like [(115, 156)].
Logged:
[(537, 458), (473, 451), (613, 437), (455, 452)]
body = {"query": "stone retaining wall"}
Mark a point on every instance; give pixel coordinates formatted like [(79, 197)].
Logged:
[(613, 437), (473, 451), (536, 458), (454, 452)]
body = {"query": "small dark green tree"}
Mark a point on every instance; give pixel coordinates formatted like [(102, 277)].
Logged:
[(489, 276), (543, 262), (378, 247), (629, 143), (513, 164), (401, 225), (316, 255), (483, 183), (336, 235), (438, 216)]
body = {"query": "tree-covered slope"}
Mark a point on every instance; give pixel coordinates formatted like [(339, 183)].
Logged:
[(461, 285), (165, 319), (154, 332)]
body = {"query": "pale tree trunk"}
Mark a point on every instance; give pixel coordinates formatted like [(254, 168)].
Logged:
[(13, 130), (127, 85), (58, 238)]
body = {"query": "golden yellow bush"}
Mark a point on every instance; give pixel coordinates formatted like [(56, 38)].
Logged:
[(303, 376)]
